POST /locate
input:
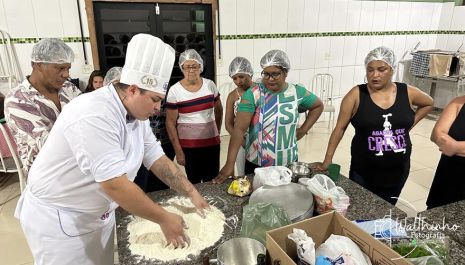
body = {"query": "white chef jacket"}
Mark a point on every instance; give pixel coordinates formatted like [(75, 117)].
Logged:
[(92, 141)]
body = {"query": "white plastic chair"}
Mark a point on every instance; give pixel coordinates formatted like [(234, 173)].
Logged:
[(9, 161), (322, 84)]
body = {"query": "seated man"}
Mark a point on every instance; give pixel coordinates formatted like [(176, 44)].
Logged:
[(33, 106)]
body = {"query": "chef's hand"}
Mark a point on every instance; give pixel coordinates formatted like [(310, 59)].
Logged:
[(200, 203), (226, 172), (180, 158), (172, 226)]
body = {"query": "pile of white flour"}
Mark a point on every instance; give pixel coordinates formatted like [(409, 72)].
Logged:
[(146, 238)]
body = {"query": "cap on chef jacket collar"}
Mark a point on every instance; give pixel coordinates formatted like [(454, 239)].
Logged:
[(149, 62), (50, 50), (382, 53)]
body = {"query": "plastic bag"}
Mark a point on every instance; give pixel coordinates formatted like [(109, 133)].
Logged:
[(305, 247), (257, 218), (273, 176), (336, 245), (327, 195), (426, 252), (240, 187)]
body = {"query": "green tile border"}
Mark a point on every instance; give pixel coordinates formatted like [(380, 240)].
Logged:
[(35, 40), (336, 34), (279, 35)]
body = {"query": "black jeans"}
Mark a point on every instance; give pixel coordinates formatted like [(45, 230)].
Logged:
[(250, 167), (203, 163)]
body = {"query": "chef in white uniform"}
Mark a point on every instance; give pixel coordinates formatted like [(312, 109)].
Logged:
[(86, 167)]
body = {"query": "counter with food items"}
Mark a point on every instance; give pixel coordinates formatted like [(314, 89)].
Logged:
[(364, 205)]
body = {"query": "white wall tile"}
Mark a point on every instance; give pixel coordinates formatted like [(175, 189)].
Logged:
[(454, 42), (340, 15), (311, 15), (263, 17), (447, 12), (279, 13), (295, 20), (293, 76), (419, 20), (412, 40), (363, 47), (379, 16), (245, 49), (307, 59), (260, 47), (228, 53), (347, 79), (3, 24), (458, 18), (359, 74), (47, 19), (441, 41), (23, 51), (429, 16), (306, 78), (432, 41), (336, 51), (336, 73), (366, 15), (325, 16), (353, 15), (228, 16), (392, 15), (350, 50), (389, 41), (399, 46), (436, 17), (403, 19), (70, 19), (322, 52), (20, 21), (245, 16), (294, 52), (278, 44), (376, 41)]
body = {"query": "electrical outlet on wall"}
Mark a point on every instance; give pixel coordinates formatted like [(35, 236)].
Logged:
[(87, 68)]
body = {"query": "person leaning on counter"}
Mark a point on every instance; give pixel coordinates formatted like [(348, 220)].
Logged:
[(270, 112), (76, 182), (382, 115)]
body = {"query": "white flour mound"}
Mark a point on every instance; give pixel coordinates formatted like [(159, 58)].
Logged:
[(146, 238)]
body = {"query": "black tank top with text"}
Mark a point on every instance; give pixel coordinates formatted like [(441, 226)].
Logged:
[(381, 145)]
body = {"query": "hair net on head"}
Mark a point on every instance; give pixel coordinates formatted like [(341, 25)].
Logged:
[(112, 75), (240, 65), (382, 53), (52, 51), (190, 54), (275, 58)]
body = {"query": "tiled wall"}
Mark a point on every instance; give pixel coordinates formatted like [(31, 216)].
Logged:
[(318, 35)]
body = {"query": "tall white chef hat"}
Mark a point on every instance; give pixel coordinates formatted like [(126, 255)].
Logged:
[(149, 62)]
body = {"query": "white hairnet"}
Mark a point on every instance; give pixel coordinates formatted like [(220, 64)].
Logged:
[(275, 58), (240, 65), (381, 53), (190, 54), (112, 75), (52, 51)]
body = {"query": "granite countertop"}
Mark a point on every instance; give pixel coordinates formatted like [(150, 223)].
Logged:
[(450, 218), (364, 205)]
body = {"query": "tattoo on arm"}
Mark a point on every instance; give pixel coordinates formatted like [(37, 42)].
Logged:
[(172, 176)]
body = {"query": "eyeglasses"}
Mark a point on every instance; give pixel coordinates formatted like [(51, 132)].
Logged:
[(274, 75), (191, 67)]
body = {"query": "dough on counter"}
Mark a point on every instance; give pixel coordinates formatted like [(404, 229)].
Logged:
[(146, 238)]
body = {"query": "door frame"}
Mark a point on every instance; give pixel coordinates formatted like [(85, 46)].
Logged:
[(93, 35)]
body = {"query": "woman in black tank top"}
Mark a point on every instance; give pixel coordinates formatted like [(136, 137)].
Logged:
[(449, 135), (382, 115)]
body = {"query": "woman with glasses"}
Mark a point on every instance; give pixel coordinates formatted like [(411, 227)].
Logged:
[(381, 113), (241, 72), (193, 120), (270, 112)]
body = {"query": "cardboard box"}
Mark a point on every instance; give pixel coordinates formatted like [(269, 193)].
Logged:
[(319, 229)]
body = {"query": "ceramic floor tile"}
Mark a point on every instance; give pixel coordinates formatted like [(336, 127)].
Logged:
[(423, 177), (408, 210), (413, 192), (428, 156)]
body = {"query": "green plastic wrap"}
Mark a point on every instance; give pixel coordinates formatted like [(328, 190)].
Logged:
[(258, 218), (428, 252)]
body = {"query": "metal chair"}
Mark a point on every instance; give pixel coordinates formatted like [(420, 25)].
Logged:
[(322, 84), (9, 161)]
